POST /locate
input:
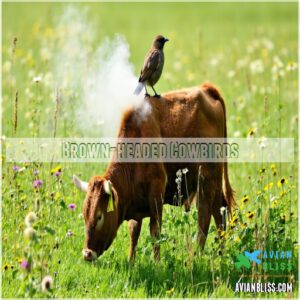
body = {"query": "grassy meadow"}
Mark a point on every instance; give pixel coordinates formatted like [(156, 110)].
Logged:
[(248, 50)]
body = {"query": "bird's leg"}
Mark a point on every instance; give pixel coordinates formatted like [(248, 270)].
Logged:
[(146, 95), (155, 94)]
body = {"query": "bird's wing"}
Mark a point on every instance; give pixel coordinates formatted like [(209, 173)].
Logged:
[(151, 64)]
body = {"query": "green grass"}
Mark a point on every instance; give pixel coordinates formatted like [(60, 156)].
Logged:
[(235, 35)]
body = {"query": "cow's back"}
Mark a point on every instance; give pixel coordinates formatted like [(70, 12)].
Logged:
[(193, 112)]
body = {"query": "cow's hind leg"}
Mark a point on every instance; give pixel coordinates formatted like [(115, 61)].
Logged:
[(204, 204), (156, 207), (134, 231)]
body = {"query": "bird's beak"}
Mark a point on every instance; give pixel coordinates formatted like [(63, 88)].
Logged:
[(166, 40)]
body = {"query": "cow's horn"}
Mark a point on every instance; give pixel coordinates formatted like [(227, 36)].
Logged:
[(81, 185), (107, 187)]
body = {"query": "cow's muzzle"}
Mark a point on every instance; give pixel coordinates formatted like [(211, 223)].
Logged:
[(89, 255)]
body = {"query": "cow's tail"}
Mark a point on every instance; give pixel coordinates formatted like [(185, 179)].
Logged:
[(228, 192)]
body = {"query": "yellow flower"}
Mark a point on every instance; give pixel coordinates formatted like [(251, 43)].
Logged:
[(263, 170), (57, 195), (5, 267), (251, 132), (237, 239), (258, 193), (245, 199), (281, 182), (56, 169), (274, 203), (273, 169), (170, 291), (243, 226), (250, 215), (268, 186), (23, 197)]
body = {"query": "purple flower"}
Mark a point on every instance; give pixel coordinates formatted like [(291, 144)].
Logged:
[(36, 172), (37, 183), (57, 173), (16, 168), (25, 265), (72, 206)]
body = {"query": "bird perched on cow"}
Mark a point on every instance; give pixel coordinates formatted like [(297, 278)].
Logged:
[(153, 66)]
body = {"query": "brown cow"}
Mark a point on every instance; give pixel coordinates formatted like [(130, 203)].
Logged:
[(139, 190)]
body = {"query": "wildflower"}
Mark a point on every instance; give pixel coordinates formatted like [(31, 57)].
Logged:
[(37, 183), (16, 168), (47, 283), (231, 74), (233, 221), (268, 186), (274, 202), (281, 182), (29, 233), (37, 79), (6, 267), (25, 265), (245, 199), (222, 210), (57, 173), (291, 66), (72, 206), (257, 66), (222, 234), (273, 169), (258, 193), (250, 215), (179, 173), (262, 170), (56, 170), (70, 233), (251, 132), (36, 172), (170, 291), (237, 239), (185, 170), (30, 219)]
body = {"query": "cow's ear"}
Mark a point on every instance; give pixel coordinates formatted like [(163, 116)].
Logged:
[(107, 187), (108, 191)]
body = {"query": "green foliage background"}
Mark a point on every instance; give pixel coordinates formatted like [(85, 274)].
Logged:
[(218, 42)]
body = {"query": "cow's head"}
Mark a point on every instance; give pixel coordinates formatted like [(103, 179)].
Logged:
[(100, 215)]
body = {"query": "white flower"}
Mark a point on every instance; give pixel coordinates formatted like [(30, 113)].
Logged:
[(262, 142), (29, 233), (231, 74), (30, 219), (257, 66), (222, 210), (185, 170), (37, 79), (47, 283), (291, 66), (179, 173)]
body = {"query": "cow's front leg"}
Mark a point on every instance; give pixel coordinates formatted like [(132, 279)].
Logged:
[(155, 227), (134, 231)]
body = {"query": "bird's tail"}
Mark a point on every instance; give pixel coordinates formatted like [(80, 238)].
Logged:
[(139, 88)]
